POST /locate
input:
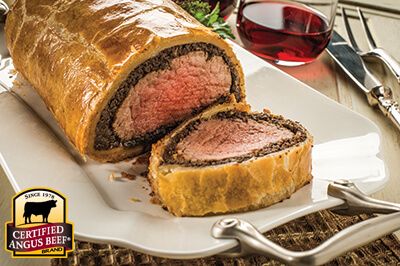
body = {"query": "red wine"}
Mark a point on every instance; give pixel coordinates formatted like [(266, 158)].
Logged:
[(282, 31), (226, 6)]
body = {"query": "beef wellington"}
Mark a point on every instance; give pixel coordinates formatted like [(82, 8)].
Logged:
[(119, 75), (228, 159)]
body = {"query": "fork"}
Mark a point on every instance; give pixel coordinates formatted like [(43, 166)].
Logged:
[(374, 50)]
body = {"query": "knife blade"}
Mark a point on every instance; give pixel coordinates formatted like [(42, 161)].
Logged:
[(355, 68)]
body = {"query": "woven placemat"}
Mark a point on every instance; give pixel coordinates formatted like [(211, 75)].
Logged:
[(300, 234)]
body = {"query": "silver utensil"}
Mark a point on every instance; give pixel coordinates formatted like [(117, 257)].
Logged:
[(374, 51), (3, 11), (251, 241), (353, 65)]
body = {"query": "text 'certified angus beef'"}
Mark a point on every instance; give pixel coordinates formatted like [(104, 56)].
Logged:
[(119, 75), (228, 159)]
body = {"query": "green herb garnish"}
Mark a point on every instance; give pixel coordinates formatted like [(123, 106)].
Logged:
[(212, 19), (195, 7)]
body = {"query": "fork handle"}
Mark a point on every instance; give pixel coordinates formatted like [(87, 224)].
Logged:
[(383, 97), (386, 58), (392, 110)]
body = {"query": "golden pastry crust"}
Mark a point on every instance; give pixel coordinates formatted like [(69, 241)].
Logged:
[(230, 187), (77, 53)]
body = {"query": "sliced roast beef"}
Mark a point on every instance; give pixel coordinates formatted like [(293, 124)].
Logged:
[(164, 97), (217, 139), (165, 90), (228, 159), (232, 136)]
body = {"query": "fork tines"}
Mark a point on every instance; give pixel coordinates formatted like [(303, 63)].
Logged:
[(370, 39)]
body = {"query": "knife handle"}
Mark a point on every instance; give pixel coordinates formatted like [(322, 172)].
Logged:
[(387, 104)]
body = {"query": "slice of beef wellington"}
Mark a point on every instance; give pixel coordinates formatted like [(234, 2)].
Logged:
[(119, 75), (228, 159)]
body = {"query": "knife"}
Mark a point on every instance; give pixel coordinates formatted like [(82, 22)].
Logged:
[(353, 65)]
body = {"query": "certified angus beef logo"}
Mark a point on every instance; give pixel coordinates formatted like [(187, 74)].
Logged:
[(39, 226)]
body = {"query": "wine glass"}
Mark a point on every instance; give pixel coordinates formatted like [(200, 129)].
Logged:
[(290, 33)]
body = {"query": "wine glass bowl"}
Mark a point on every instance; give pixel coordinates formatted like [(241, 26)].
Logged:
[(290, 33)]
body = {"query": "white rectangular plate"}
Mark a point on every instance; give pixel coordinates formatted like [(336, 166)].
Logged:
[(34, 154)]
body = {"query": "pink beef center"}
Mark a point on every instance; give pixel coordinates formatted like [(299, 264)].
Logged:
[(220, 139), (168, 96)]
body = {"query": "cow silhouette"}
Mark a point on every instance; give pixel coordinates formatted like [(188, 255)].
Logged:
[(38, 208)]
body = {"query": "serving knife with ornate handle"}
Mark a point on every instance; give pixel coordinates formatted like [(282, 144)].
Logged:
[(353, 65)]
